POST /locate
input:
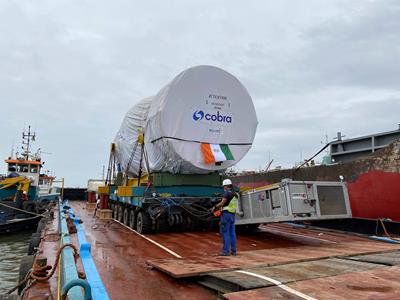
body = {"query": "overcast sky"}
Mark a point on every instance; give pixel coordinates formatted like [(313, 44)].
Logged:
[(73, 68)]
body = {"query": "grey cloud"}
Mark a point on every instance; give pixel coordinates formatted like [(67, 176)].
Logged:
[(357, 50), (312, 67)]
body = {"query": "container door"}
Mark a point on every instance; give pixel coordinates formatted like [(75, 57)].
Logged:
[(302, 199)]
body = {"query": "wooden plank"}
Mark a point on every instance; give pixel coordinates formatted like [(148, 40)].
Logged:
[(194, 266)]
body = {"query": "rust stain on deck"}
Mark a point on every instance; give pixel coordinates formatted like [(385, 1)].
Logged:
[(121, 258)]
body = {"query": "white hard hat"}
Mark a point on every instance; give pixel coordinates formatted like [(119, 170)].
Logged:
[(226, 182)]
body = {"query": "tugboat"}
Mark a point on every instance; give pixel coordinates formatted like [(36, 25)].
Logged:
[(25, 193)]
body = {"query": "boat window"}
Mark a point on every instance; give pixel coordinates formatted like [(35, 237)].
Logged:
[(12, 168), (34, 169), (23, 168)]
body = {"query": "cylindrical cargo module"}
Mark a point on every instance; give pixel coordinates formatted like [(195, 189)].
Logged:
[(202, 121)]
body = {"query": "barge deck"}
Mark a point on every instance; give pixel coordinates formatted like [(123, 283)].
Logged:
[(276, 262)]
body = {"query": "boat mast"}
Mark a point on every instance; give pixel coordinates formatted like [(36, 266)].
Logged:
[(27, 137)]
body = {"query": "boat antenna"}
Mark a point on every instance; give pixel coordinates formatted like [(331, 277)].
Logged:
[(12, 148), (27, 138)]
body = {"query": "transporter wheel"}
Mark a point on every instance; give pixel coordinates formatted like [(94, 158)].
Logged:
[(114, 211), (161, 224), (125, 217), (132, 219), (143, 223), (120, 214)]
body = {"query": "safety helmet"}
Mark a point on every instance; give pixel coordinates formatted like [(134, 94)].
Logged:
[(226, 182)]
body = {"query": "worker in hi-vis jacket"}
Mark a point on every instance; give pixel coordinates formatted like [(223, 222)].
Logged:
[(228, 206)]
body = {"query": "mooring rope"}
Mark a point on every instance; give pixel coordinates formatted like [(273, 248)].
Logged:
[(25, 211), (37, 273)]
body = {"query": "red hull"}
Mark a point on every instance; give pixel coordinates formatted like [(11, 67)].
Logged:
[(373, 195), (376, 195)]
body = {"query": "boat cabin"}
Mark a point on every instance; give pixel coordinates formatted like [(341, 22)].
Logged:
[(27, 168)]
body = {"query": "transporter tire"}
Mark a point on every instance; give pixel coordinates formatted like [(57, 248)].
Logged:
[(132, 219), (114, 212), (125, 217), (161, 224), (143, 223), (120, 214), (116, 208), (24, 267)]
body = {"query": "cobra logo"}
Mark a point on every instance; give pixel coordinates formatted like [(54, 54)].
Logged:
[(199, 115)]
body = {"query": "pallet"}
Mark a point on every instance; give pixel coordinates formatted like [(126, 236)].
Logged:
[(105, 214), (90, 205)]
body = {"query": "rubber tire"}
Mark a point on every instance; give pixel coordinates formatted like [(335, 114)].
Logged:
[(24, 266), (143, 223), (125, 216), (40, 226), (161, 224), (42, 206), (114, 211), (36, 234), (132, 219), (29, 206), (120, 213), (38, 208), (33, 244)]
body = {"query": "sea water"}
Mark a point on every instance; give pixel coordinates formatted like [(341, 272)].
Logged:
[(12, 248)]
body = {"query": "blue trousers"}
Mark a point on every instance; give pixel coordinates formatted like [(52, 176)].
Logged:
[(227, 231)]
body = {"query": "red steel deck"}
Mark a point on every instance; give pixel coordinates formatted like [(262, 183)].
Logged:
[(379, 283), (194, 266), (122, 256)]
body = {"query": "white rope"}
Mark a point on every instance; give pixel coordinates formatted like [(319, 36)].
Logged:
[(25, 211)]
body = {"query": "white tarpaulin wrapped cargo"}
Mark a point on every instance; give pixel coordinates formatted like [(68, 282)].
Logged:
[(203, 120)]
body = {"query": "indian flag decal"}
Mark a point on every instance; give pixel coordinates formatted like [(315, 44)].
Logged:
[(216, 153)]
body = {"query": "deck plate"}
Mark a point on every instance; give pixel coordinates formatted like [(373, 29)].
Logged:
[(195, 266)]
